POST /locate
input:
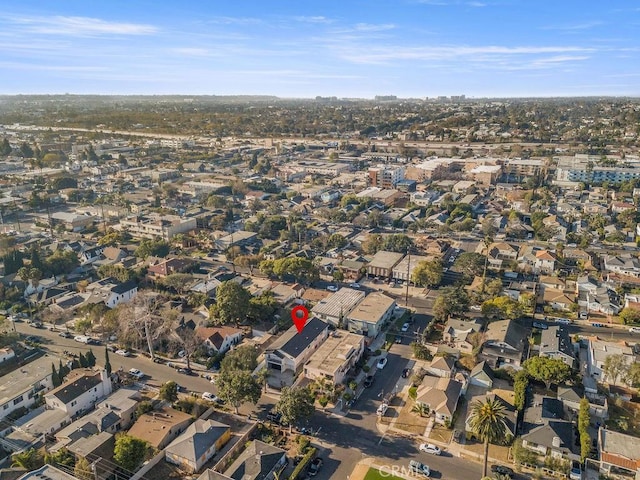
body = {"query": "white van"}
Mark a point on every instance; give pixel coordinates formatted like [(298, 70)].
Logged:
[(82, 338)]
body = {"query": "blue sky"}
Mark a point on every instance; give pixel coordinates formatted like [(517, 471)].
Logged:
[(304, 48)]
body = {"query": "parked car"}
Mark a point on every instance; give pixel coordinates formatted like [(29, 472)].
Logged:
[(157, 360), (368, 381), (541, 326), (354, 285), (382, 409), (124, 353), (405, 327), (382, 363), (210, 397), (315, 466), (502, 470), (135, 373), (419, 468), (65, 335), (430, 448), (563, 321), (576, 471), (332, 288), (598, 325), (274, 417), (398, 339), (458, 435), (634, 330), (406, 372)]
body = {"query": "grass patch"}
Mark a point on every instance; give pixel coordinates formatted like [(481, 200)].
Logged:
[(536, 335), (375, 474)]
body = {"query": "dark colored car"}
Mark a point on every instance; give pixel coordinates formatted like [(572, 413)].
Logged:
[(458, 435), (368, 381), (406, 372), (502, 470), (66, 335), (315, 466), (398, 339), (274, 417)]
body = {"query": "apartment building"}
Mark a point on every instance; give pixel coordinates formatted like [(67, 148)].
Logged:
[(384, 176), (152, 226)]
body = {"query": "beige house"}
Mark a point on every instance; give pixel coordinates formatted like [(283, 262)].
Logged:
[(371, 314), (440, 395), (335, 357), (160, 427), (198, 444)]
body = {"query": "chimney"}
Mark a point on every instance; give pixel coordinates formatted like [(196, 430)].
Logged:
[(556, 442)]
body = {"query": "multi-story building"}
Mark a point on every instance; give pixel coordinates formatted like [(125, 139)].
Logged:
[(384, 176), (164, 227), (590, 168), (21, 387)]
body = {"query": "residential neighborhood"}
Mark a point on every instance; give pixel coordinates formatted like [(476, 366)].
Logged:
[(471, 308)]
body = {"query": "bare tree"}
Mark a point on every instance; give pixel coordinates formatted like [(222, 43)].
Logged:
[(143, 317), (189, 341)]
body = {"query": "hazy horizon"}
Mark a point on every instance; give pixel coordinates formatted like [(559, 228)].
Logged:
[(356, 49)]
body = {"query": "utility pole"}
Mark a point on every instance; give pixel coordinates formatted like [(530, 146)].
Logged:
[(406, 294)]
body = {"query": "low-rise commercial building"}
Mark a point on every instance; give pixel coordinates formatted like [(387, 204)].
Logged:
[(335, 357), (371, 315)]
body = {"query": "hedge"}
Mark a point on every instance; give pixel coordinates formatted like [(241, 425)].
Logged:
[(303, 463)]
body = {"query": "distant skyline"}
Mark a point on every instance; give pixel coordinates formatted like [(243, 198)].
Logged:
[(301, 49)]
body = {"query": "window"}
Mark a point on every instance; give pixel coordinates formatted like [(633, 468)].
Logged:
[(5, 406), (17, 400), (74, 403)]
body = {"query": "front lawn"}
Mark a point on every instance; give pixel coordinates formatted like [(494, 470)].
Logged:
[(375, 474)]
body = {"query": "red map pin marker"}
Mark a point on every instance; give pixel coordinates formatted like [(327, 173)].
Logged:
[(299, 315)]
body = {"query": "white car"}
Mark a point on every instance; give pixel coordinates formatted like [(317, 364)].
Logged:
[(405, 327), (354, 285), (332, 288), (382, 363), (210, 397), (382, 409), (124, 353), (634, 330), (135, 373), (563, 321), (430, 448)]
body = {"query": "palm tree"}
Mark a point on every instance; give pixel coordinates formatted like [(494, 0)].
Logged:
[(488, 424), (421, 409), (29, 459)]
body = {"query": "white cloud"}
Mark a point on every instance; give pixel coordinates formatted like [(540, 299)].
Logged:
[(369, 27), (313, 19), (191, 52), (389, 54), (80, 26), (574, 27)]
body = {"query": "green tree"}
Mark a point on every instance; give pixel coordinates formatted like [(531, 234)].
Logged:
[(520, 383), (143, 407), (263, 306), (338, 276), (547, 370), (152, 248), (5, 147), (630, 315), (60, 457), (179, 282), (428, 273), (55, 378), (129, 452), (302, 269), (487, 422), (470, 264), (420, 409), (295, 404), (90, 358), (83, 469), (583, 428), (29, 459), (169, 391), (107, 363), (632, 376), (118, 272), (502, 308), (244, 358), (237, 387), (232, 303), (451, 301), (615, 367), (337, 241)]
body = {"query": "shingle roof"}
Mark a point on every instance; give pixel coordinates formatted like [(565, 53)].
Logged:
[(124, 287), (256, 462), (69, 391), (293, 343), (556, 339), (197, 439)]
